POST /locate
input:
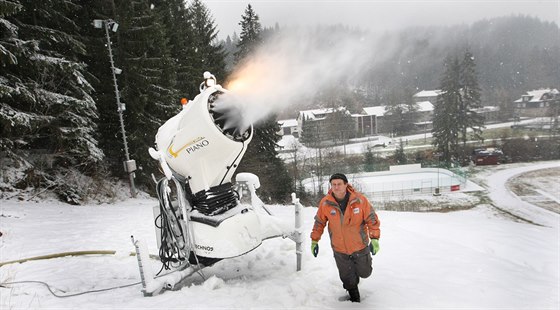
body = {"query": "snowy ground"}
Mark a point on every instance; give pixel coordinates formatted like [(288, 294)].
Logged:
[(502, 257)]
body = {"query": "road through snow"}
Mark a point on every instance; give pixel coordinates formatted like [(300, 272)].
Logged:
[(507, 200)]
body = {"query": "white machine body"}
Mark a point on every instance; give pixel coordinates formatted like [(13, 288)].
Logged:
[(196, 148), (203, 219)]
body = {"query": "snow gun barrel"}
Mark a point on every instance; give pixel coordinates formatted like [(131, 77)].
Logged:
[(205, 142)]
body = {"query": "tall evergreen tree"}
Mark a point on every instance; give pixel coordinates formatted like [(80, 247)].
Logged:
[(309, 132), (341, 125), (446, 110), (9, 35), (394, 112), (470, 99), (250, 36), (261, 157), (149, 78), (230, 47), (45, 96), (400, 155), (206, 53), (177, 23), (369, 160), (45, 102)]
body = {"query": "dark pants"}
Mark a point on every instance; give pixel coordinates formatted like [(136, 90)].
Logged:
[(353, 267)]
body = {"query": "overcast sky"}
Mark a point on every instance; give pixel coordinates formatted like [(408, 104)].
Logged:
[(377, 15)]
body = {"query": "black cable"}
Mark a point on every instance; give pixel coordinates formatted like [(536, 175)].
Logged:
[(69, 295), (169, 251)]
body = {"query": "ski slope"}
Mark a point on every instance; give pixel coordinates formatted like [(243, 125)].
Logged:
[(476, 259)]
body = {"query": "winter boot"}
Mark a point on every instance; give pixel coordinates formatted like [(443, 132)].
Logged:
[(354, 294)]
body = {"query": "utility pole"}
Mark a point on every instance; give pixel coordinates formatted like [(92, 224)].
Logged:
[(129, 164)]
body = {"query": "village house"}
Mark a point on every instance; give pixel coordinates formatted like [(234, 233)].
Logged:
[(289, 127), (536, 102), (427, 95)]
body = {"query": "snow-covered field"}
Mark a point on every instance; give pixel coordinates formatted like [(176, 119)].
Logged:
[(481, 258)]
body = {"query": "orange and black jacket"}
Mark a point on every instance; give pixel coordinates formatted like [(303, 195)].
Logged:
[(351, 231)]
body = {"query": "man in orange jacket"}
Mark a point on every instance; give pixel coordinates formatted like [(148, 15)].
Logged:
[(353, 227)]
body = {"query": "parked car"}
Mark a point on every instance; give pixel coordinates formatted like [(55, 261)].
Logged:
[(487, 156)]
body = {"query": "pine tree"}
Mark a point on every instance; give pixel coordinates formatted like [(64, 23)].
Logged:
[(13, 120), (8, 33), (149, 78), (45, 96), (177, 23), (250, 36), (446, 111), (45, 102), (309, 132), (470, 99), (369, 160), (230, 47), (341, 125), (261, 157), (400, 156), (206, 53), (394, 112)]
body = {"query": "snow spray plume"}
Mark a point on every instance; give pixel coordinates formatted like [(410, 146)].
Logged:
[(293, 66)]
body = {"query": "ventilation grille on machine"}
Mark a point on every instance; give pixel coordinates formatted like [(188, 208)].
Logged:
[(216, 200)]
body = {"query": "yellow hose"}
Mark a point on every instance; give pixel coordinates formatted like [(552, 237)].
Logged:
[(56, 255), (73, 253)]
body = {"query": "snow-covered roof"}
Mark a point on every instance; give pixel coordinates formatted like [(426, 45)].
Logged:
[(317, 114), (288, 123), (427, 93), (487, 109), (377, 111), (537, 94), (424, 106)]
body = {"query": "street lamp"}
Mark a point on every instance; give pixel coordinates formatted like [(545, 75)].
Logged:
[(129, 164)]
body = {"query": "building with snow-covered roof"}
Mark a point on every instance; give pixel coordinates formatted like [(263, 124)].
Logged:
[(369, 122), (424, 107), (491, 114), (289, 127), (536, 102), (376, 111), (422, 114), (317, 119), (427, 95)]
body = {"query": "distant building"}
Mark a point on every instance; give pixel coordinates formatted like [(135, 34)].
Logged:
[(318, 118), (423, 118), (491, 114), (427, 95), (368, 120), (373, 121), (289, 127), (536, 102)]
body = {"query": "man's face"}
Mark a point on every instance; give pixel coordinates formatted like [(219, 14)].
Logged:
[(338, 188)]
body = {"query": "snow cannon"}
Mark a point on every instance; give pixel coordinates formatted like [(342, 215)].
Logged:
[(202, 219), (203, 143)]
